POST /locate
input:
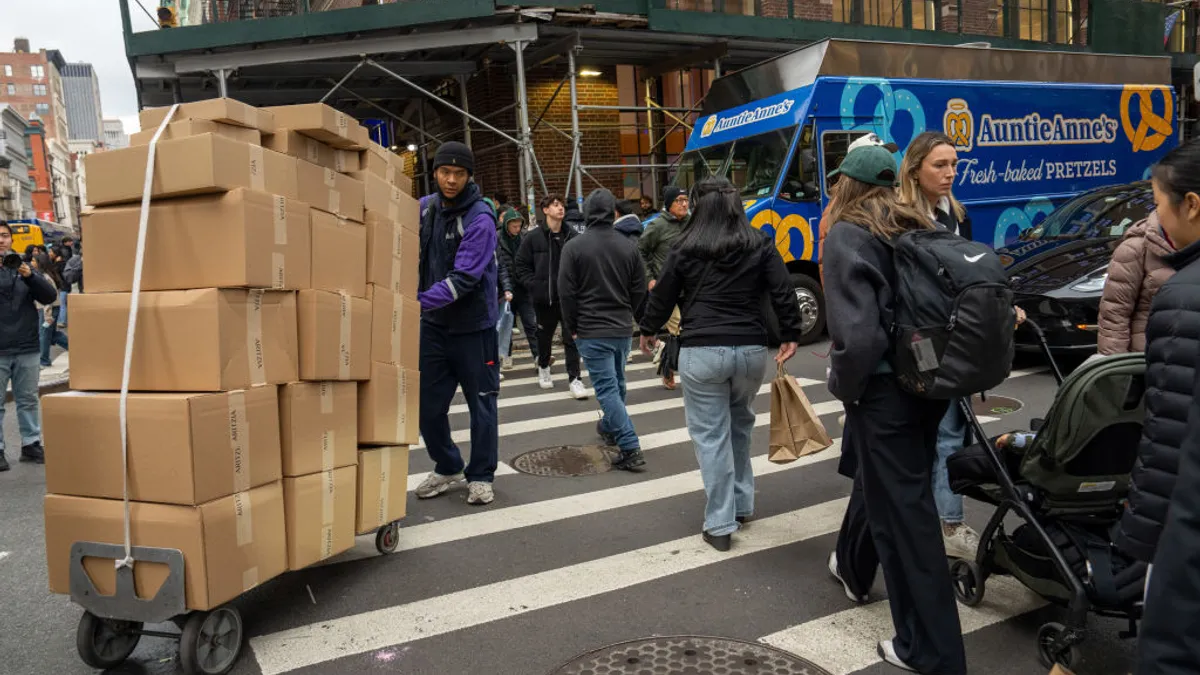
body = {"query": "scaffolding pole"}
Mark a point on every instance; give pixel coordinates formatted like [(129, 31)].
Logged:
[(650, 139), (392, 115), (342, 81), (576, 159), (521, 175), (466, 106), (526, 143), (422, 153), (222, 85)]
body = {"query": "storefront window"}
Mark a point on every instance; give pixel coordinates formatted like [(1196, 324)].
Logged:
[(1033, 20)]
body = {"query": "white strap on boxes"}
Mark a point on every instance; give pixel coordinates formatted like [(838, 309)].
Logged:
[(328, 489), (385, 484), (401, 406), (326, 393), (258, 171), (244, 518), (278, 259), (397, 320)]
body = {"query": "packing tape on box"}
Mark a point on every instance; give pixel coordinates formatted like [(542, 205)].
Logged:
[(328, 488), (397, 319), (254, 337), (397, 239), (243, 518), (258, 172), (250, 578), (396, 270), (278, 271), (394, 205), (239, 440), (326, 394), (312, 151), (343, 124), (339, 161), (390, 173), (401, 406), (330, 178), (281, 218), (328, 441), (385, 484), (344, 338)]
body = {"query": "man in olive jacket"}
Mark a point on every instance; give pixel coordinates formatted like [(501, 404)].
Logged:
[(662, 231)]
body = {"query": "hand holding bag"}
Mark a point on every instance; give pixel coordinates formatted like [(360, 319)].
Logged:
[(796, 430), (504, 328)]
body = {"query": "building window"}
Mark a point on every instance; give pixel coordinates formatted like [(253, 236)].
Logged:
[(8, 70), (924, 15), (39, 90), (1033, 20), (37, 71), (886, 13), (12, 90), (43, 108)]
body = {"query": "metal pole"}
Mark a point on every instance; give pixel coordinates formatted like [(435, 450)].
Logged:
[(650, 139), (576, 137), (421, 152), (394, 116), (523, 116), (342, 81), (521, 175), (716, 68), (462, 89), (222, 87)]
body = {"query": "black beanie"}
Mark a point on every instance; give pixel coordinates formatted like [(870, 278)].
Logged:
[(670, 194), (453, 153)]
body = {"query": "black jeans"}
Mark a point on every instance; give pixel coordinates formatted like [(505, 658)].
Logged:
[(889, 446), (548, 319), (523, 308)]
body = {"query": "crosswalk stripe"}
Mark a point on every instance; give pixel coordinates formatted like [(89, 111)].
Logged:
[(561, 377), (414, 479), (844, 642), (359, 633)]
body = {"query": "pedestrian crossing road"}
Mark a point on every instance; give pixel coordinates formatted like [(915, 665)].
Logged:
[(559, 566)]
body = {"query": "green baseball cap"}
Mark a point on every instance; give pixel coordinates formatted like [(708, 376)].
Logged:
[(871, 164)]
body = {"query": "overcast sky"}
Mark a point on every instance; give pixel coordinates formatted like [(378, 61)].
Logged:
[(85, 31)]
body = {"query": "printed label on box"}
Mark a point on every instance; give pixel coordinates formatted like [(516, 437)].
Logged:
[(239, 437), (242, 516), (254, 337), (257, 170)]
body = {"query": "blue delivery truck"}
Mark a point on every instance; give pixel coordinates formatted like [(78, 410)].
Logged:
[(1032, 130)]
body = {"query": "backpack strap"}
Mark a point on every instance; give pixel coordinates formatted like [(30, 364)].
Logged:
[(1100, 568)]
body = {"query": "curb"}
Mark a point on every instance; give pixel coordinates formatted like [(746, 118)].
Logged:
[(50, 386)]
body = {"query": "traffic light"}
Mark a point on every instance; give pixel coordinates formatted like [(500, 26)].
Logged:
[(167, 17)]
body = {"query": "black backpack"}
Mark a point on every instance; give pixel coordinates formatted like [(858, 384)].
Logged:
[(952, 333)]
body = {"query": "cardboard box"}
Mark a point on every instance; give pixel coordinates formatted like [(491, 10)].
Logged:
[(335, 336), (389, 406), (183, 448), (339, 254), (323, 123), (230, 545), (395, 328), (393, 258), (398, 207), (382, 487), (319, 426), (202, 340), (382, 163), (224, 110), (330, 191), (263, 241), (313, 151), (186, 128), (188, 166), (319, 509)]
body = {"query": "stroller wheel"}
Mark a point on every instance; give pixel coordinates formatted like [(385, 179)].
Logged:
[(968, 582), (1056, 647)]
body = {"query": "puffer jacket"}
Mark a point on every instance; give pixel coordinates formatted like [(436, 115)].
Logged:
[(1172, 356), (1138, 269)]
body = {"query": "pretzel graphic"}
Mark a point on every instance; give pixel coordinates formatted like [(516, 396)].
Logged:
[(1152, 129)]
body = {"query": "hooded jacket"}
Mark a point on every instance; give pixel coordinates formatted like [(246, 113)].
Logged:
[(656, 241), (19, 317), (536, 266), (1138, 269), (458, 270), (630, 226)]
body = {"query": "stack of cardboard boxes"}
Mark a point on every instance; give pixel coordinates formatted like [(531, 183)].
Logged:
[(254, 343)]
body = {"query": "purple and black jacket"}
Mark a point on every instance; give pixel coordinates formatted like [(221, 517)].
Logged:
[(458, 268)]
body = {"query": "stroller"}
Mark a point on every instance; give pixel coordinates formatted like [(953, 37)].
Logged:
[(1068, 485)]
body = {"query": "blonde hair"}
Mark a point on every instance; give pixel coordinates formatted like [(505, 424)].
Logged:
[(875, 207), (910, 186)]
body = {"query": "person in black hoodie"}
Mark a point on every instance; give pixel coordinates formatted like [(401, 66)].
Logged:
[(536, 269), (601, 283), (512, 233), (715, 272), (20, 290)]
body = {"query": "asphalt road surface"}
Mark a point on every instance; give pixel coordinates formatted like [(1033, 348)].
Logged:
[(556, 567)]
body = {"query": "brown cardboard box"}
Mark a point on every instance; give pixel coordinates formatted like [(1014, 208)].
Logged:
[(313, 151), (382, 487), (392, 255), (185, 128), (339, 250), (335, 336), (202, 340), (188, 166), (389, 406), (319, 423), (322, 123), (388, 202), (330, 191), (235, 239), (383, 163), (183, 448), (225, 110), (319, 509), (230, 545), (395, 328)]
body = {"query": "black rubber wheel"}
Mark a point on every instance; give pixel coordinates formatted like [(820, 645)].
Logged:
[(1048, 654), (968, 582), (211, 641), (811, 300), (387, 538), (106, 643)]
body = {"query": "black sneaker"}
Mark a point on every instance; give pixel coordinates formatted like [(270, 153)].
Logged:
[(630, 460), (609, 439), (33, 453), (3, 463)]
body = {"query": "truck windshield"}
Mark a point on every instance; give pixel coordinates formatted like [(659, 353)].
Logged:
[(752, 164), (697, 165)]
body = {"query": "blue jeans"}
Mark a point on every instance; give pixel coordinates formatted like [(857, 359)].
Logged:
[(449, 361), (719, 387), (951, 432), (50, 335), (23, 371), (605, 360)]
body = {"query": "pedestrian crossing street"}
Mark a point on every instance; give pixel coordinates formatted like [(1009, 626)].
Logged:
[(559, 566)]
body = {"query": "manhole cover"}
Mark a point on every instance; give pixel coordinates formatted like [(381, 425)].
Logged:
[(995, 405), (564, 460), (685, 655)]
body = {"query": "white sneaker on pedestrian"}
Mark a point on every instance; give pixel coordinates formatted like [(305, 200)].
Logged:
[(579, 390), (544, 379), (480, 493), (833, 570), (501, 377), (961, 541), (506, 363), (435, 484), (887, 652)]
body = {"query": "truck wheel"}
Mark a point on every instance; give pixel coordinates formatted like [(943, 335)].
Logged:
[(811, 300)]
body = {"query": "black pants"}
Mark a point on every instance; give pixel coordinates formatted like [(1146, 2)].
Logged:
[(450, 361), (548, 319), (523, 308), (889, 446)]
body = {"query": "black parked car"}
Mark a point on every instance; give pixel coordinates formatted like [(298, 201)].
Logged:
[(1058, 268)]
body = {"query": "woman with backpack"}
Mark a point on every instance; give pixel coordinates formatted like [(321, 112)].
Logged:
[(1138, 269), (889, 445)]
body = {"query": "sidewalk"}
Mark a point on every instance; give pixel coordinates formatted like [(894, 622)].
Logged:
[(57, 375)]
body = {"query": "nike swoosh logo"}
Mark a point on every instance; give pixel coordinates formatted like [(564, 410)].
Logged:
[(973, 258)]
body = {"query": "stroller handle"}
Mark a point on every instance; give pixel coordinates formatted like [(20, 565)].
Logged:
[(1041, 336)]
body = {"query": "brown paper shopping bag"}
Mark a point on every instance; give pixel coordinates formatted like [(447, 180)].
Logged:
[(796, 430)]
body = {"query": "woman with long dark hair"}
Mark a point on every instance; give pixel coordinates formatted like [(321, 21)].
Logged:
[(716, 272), (889, 445), (49, 334)]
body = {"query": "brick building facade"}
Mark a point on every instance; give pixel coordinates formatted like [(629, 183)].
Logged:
[(31, 83)]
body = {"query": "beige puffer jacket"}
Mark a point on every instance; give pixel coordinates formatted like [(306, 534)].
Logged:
[(1135, 274)]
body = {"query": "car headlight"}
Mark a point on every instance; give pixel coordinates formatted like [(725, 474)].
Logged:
[(1092, 284)]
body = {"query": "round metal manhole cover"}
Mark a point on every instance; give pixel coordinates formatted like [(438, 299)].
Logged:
[(995, 405), (564, 460), (687, 655)]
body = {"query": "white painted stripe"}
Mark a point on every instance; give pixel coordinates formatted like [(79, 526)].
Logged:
[(4, 554), (356, 634), (561, 377), (524, 354), (844, 642), (414, 479)]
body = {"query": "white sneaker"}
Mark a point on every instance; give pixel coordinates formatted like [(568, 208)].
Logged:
[(480, 493), (501, 377), (833, 570), (887, 652), (435, 484), (579, 390), (963, 543), (506, 363), (544, 379)]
